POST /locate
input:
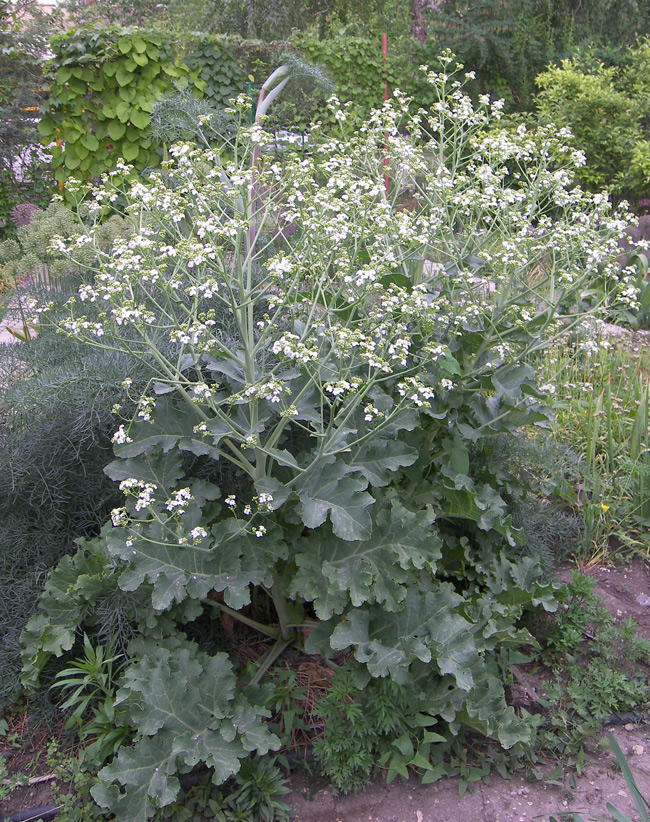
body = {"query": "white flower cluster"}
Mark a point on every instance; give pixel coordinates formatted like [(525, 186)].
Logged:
[(310, 261), (272, 390), (290, 346), (143, 491), (119, 517), (146, 406), (203, 391), (370, 413), (178, 502), (342, 388), (264, 501), (120, 436), (413, 389)]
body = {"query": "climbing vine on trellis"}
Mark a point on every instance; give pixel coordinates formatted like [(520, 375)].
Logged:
[(217, 68), (104, 85)]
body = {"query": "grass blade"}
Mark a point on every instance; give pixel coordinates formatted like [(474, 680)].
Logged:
[(639, 801)]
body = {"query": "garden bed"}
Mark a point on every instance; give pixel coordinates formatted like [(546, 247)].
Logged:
[(537, 791)]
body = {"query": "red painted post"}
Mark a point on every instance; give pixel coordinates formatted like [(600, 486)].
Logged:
[(384, 48)]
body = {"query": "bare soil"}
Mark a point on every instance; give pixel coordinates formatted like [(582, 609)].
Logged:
[(625, 592)]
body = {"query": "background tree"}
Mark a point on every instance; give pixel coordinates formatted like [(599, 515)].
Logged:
[(120, 12), (24, 38), (509, 42)]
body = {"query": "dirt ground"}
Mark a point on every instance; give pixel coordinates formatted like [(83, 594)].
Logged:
[(494, 799), (626, 593)]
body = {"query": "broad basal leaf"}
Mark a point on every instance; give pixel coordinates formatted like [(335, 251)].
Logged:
[(483, 709), (164, 470), (428, 628), (187, 709), (173, 423), (379, 459), (333, 572), (147, 772), (328, 489), (230, 561), (74, 585), (509, 379)]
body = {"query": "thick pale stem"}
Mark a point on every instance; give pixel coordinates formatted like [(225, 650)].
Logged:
[(252, 623), (287, 632), (269, 658)]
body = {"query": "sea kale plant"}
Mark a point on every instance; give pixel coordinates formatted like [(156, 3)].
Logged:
[(338, 364)]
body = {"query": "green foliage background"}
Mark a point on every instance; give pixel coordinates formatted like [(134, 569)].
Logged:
[(608, 110), (104, 86)]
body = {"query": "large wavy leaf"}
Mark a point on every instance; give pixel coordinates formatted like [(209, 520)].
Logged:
[(164, 470), (379, 458), (187, 709), (333, 573), (327, 489), (230, 561), (428, 628), (172, 425)]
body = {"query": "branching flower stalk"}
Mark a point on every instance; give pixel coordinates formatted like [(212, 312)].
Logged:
[(322, 423), (323, 337)]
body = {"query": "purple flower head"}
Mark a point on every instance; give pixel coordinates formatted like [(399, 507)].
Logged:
[(22, 214)]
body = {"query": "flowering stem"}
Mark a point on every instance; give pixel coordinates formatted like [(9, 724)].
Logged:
[(252, 623)]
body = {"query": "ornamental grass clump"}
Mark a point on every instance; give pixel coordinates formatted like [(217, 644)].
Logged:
[(342, 387)]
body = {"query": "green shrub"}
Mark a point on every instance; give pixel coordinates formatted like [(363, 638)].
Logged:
[(607, 110), (56, 401), (104, 84), (24, 33)]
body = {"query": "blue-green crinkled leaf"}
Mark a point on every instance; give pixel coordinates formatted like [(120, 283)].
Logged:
[(172, 424), (332, 573), (229, 561), (518, 583), (509, 379), (483, 709), (483, 506), (279, 492), (231, 369), (187, 709), (164, 470), (428, 629), (328, 489), (76, 584), (40, 640), (379, 458), (147, 776)]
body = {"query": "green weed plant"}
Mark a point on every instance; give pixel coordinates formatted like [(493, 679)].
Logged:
[(599, 387), (599, 669)]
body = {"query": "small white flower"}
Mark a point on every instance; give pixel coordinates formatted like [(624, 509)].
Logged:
[(120, 436), (119, 517), (179, 500)]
